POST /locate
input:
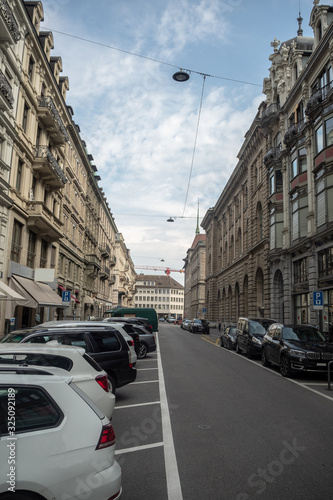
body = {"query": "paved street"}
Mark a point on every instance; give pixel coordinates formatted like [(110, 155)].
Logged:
[(230, 428)]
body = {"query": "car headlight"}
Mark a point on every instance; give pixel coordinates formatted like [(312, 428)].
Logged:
[(295, 352), (256, 340)]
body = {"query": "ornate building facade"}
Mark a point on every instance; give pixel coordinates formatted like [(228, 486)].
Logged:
[(57, 231), (270, 235), (195, 275)]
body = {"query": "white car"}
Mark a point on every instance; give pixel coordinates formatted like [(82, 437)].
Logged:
[(55, 442), (117, 326), (84, 370)]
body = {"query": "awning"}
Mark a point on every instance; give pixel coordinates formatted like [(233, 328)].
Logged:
[(7, 293), (39, 293), (87, 300)]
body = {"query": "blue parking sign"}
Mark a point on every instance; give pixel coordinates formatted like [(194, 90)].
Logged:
[(66, 296), (318, 300)]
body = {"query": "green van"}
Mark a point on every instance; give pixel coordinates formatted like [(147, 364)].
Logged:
[(134, 312)]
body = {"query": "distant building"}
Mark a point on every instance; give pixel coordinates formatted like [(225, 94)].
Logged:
[(195, 274), (163, 293)]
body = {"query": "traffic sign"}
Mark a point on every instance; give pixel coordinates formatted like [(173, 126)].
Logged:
[(66, 296), (318, 300)]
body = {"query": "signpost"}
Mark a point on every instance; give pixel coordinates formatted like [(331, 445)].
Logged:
[(66, 298), (318, 300)]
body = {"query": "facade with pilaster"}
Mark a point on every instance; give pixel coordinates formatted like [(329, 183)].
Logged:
[(195, 276)]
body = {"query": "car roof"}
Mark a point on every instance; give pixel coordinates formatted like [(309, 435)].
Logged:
[(47, 348)]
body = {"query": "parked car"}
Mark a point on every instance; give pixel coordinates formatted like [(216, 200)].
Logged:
[(171, 319), (102, 341), (86, 373), (133, 321), (249, 335), (198, 326), (64, 445), (147, 341), (228, 337), (184, 324), (140, 327), (296, 348)]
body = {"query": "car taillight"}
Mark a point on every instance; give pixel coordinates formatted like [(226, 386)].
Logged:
[(108, 437), (130, 342), (114, 496), (103, 382)]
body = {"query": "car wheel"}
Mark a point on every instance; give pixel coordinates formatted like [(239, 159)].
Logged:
[(19, 496), (230, 345), (143, 351), (264, 360), (249, 352), (112, 384), (238, 349), (285, 368)]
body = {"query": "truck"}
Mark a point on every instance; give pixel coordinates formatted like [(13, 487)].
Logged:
[(134, 312)]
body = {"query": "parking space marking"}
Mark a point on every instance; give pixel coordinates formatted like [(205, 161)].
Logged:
[(138, 404), (138, 448), (143, 369), (171, 467)]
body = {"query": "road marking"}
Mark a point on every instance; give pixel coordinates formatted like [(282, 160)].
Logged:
[(171, 467), (143, 369), (138, 448), (138, 404), (144, 382)]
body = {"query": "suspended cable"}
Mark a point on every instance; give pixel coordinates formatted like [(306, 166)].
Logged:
[(150, 58), (195, 143)]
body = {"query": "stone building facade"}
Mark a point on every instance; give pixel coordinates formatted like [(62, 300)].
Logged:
[(195, 275), (57, 231), (163, 293), (269, 236)]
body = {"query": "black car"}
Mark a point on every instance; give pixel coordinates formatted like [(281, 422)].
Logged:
[(198, 326), (296, 348), (133, 321), (228, 337), (249, 335), (145, 342), (104, 343)]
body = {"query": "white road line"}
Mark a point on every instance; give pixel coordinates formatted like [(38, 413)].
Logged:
[(138, 448), (139, 404), (145, 369), (171, 468), (144, 382)]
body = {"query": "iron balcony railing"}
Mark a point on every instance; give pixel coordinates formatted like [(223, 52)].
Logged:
[(6, 89), (10, 20), (47, 102), (293, 131), (318, 97), (44, 152)]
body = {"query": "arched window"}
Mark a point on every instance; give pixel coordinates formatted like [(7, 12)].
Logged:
[(259, 222)]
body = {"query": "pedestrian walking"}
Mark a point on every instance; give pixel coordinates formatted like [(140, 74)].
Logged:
[(219, 326)]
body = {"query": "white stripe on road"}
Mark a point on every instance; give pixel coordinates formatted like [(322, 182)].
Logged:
[(144, 382), (138, 448), (139, 404), (171, 468)]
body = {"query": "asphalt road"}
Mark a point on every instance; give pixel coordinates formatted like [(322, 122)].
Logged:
[(202, 422)]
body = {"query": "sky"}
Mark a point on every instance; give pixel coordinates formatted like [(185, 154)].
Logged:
[(164, 148)]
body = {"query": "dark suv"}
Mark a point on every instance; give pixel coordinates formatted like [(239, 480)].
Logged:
[(102, 342), (199, 326), (250, 333)]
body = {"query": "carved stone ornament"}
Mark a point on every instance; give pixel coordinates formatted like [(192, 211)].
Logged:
[(275, 44)]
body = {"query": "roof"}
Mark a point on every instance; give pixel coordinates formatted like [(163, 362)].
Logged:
[(197, 239), (160, 281)]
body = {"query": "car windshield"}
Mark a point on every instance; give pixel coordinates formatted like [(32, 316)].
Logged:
[(256, 328), (197, 322), (303, 333), (232, 331), (10, 337)]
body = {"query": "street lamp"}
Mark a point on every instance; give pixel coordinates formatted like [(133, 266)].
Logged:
[(181, 76)]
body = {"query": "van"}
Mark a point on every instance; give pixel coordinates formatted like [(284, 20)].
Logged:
[(133, 312)]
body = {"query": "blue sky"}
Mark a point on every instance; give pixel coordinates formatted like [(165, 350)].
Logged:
[(140, 125)]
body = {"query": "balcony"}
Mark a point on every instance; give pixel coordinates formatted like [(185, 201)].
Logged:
[(9, 31), (270, 114), (42, 221), (272, 155), (104, 273), (113, 260), (293, 132), (93, 262), (6, 94), (105, 250), (48, 168), (112, 279), (319, 99), (50, 118)]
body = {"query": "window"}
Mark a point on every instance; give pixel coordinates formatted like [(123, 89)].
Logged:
[(324, 199), (298, 162), (25, 117), (259, 221), (34, 409), (30, 68), (276, 182), (299, 220), (43, 253), (301, 270), (19, 176), (302, 308), (324, 135), (16, 242), (31, 250), (325, 263), (276, 230)]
